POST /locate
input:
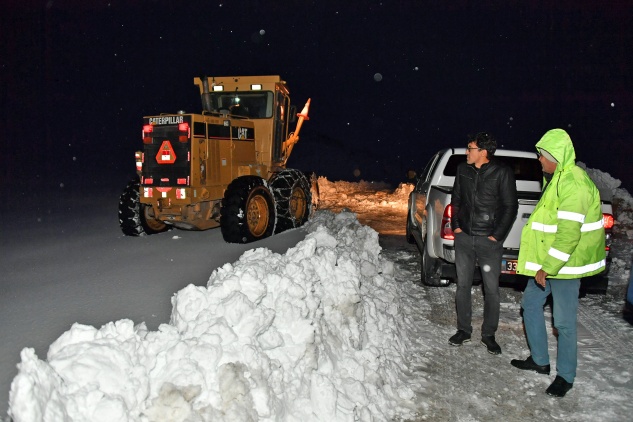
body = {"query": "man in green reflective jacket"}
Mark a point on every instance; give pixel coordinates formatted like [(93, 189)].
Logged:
[(562, 241)]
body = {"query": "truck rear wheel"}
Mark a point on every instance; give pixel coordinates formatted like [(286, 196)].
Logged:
[(248, 211), (135, 218), (431, 270), (293, 199), (409, 231)]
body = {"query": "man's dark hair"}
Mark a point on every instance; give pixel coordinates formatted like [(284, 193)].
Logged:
[(485, 141)]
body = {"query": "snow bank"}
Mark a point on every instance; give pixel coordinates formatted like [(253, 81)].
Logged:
[(311, 335), (610, 190), (622, 203), (605, 183), (364, 195)]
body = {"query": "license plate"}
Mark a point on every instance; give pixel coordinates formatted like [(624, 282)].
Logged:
[(509, 266)]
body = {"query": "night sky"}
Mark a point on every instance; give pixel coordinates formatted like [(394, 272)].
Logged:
[(391, 82)]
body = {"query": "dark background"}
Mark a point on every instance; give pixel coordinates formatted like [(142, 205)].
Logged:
[(391, 82)]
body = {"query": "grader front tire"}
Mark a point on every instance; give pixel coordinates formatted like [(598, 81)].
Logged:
[(293, 200)]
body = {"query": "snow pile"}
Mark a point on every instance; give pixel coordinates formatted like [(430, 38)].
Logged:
[(314, 334), (350, 187), (622, 202), (605, 183), (623, 212), (403, 190), (364, 194), (610, 190)]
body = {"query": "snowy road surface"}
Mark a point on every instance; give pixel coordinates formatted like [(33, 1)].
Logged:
[(66, 261), (467, 383), (59, 269)]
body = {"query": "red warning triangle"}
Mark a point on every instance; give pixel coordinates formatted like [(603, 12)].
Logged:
[(165, 154)]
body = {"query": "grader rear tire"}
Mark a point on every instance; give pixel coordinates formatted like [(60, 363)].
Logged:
[(137, 219)]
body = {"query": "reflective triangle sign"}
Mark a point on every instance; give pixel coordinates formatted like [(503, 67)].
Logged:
[(165, 154)]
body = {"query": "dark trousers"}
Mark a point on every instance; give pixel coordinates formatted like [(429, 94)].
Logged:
[(470, 250)]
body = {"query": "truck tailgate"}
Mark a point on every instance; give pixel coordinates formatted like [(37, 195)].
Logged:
[(527, 202)]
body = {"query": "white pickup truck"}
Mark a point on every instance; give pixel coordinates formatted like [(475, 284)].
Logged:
[(429, 213)]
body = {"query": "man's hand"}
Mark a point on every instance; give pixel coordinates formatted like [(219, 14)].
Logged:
[(540, 277), (457, 231), (492, 238)]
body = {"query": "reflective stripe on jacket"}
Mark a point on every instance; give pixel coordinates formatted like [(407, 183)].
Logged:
[(564, 236)]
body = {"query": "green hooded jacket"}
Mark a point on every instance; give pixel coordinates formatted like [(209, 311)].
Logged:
[(564, 236)]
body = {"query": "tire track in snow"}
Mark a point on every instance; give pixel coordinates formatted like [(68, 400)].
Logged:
[(598, 333)]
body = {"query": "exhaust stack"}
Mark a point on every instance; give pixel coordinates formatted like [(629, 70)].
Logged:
[(206, 95)]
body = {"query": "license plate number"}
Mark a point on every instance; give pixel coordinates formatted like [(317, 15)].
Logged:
[(509, 266)]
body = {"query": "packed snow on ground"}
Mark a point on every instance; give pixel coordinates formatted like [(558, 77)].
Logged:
[(314, 334), (336, 329)]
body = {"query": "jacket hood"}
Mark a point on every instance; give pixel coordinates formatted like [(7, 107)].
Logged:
[(558, 143)]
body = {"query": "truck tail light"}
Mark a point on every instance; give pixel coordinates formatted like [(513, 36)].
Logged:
[(607, 221), (446, 232)]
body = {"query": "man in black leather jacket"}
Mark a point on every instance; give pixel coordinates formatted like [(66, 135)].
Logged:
[(484, 203)]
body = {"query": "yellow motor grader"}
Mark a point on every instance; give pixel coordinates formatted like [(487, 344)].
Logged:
[(224, 167)]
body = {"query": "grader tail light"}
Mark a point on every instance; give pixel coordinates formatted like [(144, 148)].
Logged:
[(138, 156), (185, 132)]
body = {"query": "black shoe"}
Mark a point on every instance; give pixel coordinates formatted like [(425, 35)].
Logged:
[(559, 387), (528, 364), (459, 338), (491, 344)]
